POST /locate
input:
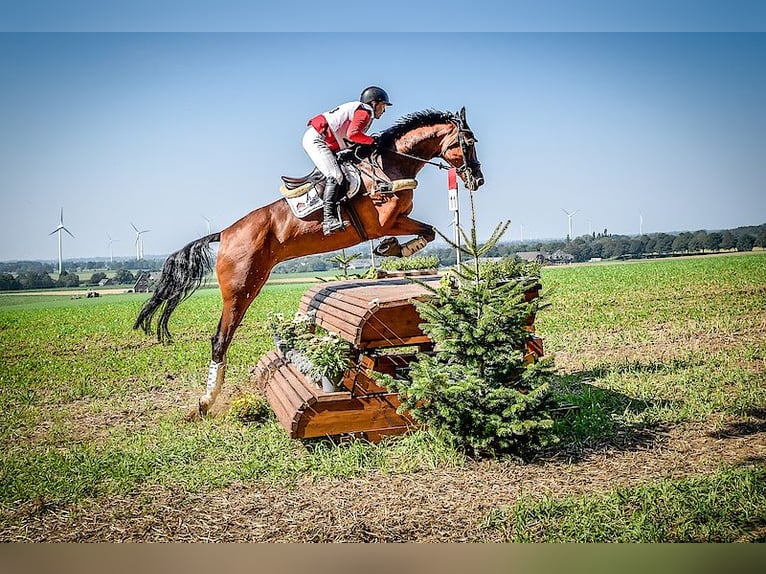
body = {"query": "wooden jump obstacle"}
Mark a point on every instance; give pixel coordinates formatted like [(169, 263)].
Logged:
[(379, 319)]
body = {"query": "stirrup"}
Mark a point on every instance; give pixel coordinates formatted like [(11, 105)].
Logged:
[(331, 226)]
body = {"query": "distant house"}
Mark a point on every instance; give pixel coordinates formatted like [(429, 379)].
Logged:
[(105, 281), (142, 283), (560, 257), (535, 256)]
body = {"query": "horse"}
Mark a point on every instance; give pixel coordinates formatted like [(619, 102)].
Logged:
[(250, 247)]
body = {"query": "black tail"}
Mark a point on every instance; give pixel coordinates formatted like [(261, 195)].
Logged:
[(182, 274)]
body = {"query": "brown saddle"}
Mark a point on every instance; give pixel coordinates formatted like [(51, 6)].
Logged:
[(294, 182)]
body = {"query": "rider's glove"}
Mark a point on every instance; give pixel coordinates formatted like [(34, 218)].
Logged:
[(346, 154), (363, 151)]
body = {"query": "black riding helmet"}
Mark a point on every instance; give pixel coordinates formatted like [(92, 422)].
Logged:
[(374, 94)]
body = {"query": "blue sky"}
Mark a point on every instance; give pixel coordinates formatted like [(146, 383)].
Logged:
[(166, 129)]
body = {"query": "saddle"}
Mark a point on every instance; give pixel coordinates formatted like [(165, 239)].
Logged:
[(294, 182), (304, 194)]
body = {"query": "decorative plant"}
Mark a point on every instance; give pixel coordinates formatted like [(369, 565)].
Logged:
[(287, 331), (410, 263), (250, 408), (477, 387), (344, 264), (328, 354), (344, 261), (313, 350)]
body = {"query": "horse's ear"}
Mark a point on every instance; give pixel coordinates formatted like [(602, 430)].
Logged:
[(462, 113)]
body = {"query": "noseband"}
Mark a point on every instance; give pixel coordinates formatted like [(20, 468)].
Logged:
[(469, 165)]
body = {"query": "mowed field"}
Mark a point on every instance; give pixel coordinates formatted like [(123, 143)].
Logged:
[(665, 359)]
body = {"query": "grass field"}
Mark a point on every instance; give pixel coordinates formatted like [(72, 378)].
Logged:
[(665, 360)]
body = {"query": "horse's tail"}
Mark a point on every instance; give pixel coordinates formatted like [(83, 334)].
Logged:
[(182, 274)]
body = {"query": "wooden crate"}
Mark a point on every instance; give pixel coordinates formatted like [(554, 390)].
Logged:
[(370, 313), (305, 410), (378, 317)]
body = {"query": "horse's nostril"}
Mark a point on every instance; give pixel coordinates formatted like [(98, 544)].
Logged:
[(479, 181)]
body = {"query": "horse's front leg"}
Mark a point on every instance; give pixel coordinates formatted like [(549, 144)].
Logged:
[(404, 225)]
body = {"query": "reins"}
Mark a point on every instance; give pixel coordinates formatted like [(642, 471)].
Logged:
[(374, 161), (402, 154), (460, 141)]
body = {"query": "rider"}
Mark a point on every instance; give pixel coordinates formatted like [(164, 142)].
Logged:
[(335, 130)]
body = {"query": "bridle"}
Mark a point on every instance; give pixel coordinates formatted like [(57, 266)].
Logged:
[(465, 138)]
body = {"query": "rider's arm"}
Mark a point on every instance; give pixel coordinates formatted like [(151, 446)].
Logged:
[(359, 124)]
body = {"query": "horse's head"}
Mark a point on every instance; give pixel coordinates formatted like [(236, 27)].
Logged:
[(460, 152)]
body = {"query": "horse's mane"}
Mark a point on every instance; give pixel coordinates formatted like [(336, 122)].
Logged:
[(413, 121)]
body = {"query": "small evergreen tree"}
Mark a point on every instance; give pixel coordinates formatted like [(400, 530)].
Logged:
[(478, 387)]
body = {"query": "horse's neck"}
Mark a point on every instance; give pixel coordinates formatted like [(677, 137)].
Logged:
[(423, 144), (426, 142)]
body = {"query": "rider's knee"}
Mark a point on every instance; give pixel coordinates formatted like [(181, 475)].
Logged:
[(335, 174)]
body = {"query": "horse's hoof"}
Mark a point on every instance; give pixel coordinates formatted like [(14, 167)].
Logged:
[(202, 408), (389, 247)]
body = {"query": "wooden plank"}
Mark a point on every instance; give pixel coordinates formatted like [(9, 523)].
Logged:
[(366, 385), (286, 414), (403, 342), (317, 394), (284, 390), (339, 303), (353, 415), (393, 323), (535, 345), (347, 331), (319, 297), (268, 363), (297, 382), (341, 315)]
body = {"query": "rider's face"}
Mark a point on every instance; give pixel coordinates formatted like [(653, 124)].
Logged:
[(379, 109)]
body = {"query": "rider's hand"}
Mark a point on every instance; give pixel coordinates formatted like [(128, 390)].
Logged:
[(363, 151), (346, 154)]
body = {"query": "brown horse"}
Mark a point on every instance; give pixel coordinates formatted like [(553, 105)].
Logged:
[(252, 246)]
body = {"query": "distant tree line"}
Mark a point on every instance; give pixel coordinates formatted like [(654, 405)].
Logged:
[(312, 263), (17, 275), (79, 266), (43, 280), (607, 246)]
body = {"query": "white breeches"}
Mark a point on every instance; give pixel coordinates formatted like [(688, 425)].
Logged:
[(322, 156)]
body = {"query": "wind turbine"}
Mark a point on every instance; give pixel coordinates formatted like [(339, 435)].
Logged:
[(111, 258), (640, 223), (58, 230), (139, 242), (207, 221), (570, 215)]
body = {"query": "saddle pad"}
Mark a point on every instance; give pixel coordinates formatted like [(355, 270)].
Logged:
[(402, 184), (305, 204)]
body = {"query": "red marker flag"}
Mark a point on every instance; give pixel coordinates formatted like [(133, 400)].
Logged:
[(452, 188)]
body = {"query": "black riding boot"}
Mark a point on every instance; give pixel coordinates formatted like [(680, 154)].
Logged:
[(332, 194)]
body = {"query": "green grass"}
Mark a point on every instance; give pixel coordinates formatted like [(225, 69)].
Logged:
[(92, 408), (726, 506), (662, 341)]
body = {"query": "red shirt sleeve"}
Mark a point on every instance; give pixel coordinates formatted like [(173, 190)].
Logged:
[(359, 124)]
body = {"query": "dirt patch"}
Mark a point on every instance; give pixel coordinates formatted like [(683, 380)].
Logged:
[(446, 505)]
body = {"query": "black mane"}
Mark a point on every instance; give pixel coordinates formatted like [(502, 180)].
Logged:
[(413, 121)]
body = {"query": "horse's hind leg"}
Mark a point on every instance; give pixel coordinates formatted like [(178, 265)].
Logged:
[(234, 307)]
